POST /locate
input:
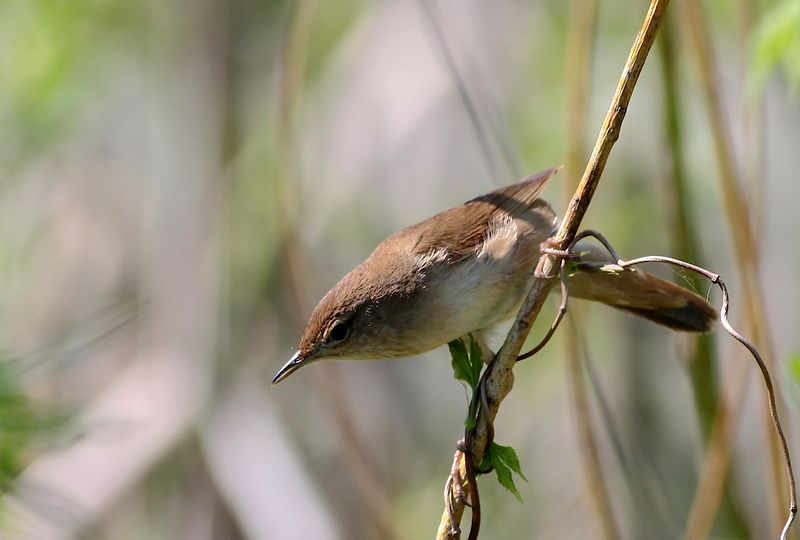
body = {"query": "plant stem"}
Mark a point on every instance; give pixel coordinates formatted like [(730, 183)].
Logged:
[(499, 379)]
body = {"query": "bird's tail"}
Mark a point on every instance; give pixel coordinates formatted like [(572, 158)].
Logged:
[(643, 294)]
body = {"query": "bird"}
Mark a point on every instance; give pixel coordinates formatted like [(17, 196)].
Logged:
[(465, 271)]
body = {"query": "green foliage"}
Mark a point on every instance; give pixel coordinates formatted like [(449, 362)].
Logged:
[(330, 25), (50, 58), (467, 365), (776, 41), (22, 425), (573, 266), (504, 460), (794, 367)]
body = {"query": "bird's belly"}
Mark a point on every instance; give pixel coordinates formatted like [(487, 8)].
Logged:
[(478, 294)]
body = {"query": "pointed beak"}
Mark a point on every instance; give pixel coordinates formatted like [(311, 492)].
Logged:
[(294, 363)]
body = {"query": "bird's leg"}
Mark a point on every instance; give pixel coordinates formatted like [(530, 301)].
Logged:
[(546, 267)]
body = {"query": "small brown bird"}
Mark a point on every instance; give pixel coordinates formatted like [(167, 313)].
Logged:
[(467, 270)]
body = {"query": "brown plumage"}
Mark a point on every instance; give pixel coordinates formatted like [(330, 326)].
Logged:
[(467, 270)]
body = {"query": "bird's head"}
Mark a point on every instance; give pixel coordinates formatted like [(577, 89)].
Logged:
[(364, 316)]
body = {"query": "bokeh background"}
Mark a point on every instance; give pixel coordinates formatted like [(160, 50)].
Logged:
[(182, 180)]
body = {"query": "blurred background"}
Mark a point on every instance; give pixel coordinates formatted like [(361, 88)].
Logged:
[(182, 181)]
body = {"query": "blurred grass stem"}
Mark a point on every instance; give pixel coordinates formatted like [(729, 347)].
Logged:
[(685, 244), (753, 126), (683, 230), (708, 495), (580, 39), (356, 455)]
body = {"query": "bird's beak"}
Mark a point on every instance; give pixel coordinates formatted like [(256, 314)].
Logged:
[(295, 362)]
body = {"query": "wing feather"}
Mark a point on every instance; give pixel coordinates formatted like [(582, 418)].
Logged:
[(461, 231)]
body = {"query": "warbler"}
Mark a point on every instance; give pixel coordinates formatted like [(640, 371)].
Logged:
[(467, 270)]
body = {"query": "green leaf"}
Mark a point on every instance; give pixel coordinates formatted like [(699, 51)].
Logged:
[(23, 424), (467, 367), (467, 364), (506, 480), (505, 462), (462, 370), (476, 360), (571, 267), (508, 456)]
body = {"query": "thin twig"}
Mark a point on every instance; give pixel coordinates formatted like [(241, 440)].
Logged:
[(609, 133), (498, 377), (562, 309), (723, 315), (474, 496)]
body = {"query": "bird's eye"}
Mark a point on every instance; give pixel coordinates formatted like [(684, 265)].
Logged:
[(339, 332)]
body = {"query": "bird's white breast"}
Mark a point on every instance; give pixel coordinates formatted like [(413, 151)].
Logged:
[(479, 291)]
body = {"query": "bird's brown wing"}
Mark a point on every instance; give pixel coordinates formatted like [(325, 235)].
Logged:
[(460, 231)]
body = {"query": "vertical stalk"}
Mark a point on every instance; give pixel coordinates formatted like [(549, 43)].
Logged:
[(683, 231), (745, 253), (590, 453), (498, 378), (357, 458), (705, 384), (580, 40), (753, 126)]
